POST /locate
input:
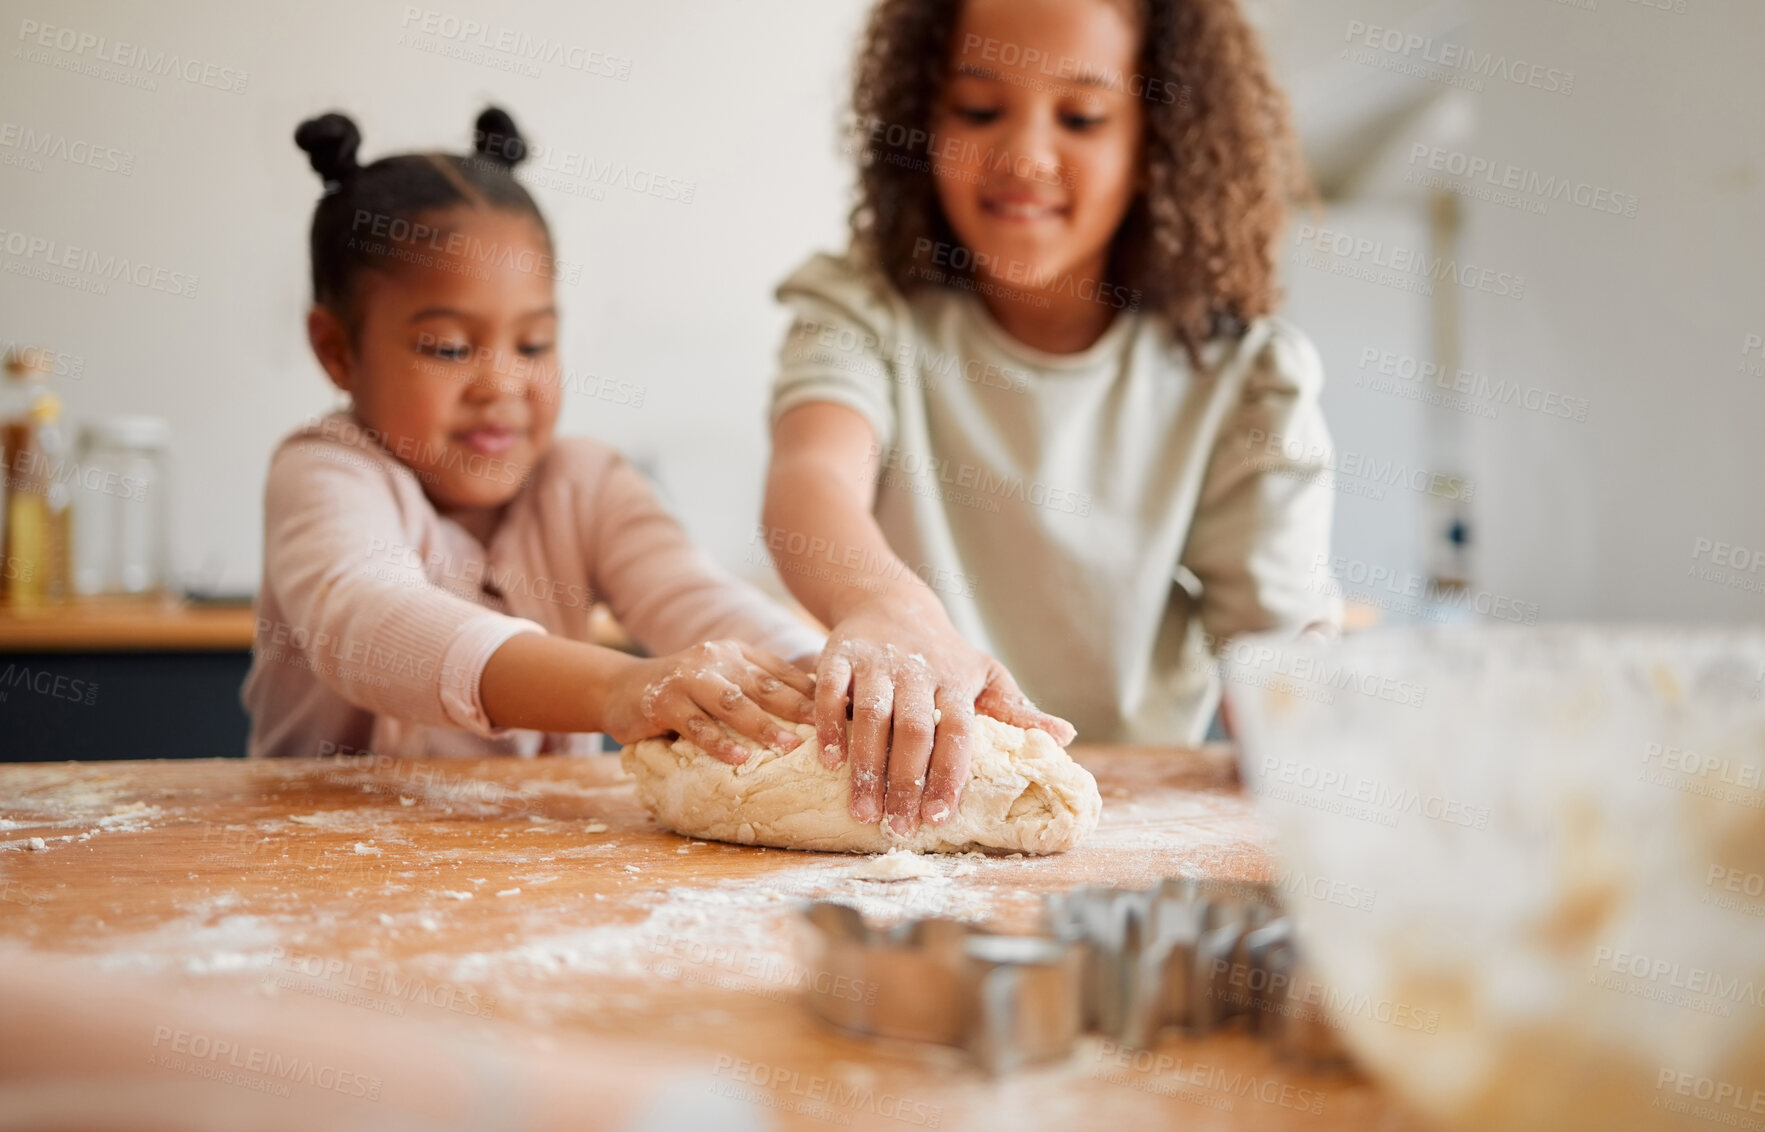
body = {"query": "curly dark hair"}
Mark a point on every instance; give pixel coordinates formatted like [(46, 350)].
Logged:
[(1221, 161)]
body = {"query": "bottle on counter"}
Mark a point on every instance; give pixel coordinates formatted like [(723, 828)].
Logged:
[(36, 561)]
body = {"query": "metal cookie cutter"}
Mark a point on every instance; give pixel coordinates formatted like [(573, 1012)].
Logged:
[(1123, 963), (1007, 1000), (1192, 955)]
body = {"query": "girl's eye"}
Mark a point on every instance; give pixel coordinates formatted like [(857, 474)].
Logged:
[(1079, 123), (448, 351), (976, 115), (536, 350)]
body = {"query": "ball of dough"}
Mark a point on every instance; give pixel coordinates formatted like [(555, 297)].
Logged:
[(1024, 794)]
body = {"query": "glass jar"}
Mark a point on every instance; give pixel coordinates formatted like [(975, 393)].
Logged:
[(121, 515)]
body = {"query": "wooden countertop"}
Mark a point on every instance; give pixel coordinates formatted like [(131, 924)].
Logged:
[(127, 625), (154, 625), (542, 912)]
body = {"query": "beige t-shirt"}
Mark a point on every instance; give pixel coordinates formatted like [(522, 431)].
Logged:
[(1097, 520)]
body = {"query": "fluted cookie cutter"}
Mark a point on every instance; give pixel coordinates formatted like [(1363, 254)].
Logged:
[(1193, 955), (1127, 964)]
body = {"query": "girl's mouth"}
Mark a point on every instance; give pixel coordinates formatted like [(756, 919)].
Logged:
[(489, 441), (1021, 209)]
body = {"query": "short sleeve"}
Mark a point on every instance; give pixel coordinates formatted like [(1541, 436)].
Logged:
[(843, 345), (1262, 523)]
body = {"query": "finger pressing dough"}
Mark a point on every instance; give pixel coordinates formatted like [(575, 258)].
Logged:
[(1024, 794)]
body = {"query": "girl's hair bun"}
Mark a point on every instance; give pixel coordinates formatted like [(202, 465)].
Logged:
[(330, 141), (496, 138)]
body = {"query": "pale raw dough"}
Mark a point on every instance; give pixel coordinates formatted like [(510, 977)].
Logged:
[(1024, 795)]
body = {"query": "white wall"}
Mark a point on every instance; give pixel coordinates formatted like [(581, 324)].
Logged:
[(1646, 318), (740, 99), (1378, 527), (1643, 319)]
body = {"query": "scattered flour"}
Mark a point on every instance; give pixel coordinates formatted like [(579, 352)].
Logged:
[(898, 864), (74, 804), (231, 943), (333, 819), (737, 933)]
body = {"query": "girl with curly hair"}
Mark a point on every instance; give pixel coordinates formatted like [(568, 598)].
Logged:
[(1038, 430)]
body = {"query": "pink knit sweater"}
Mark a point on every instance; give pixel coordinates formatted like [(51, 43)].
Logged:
[(378, 613)]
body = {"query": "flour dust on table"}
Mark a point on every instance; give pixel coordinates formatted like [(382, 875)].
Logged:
[(1024, 794)]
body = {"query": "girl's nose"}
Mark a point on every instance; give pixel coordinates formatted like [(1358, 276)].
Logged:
[(1032, 148), (498, 374), (483, 385)]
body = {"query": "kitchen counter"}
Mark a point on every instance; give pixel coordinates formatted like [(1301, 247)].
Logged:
[(138, 678), (126, 625), (530, 910), (156, 625)]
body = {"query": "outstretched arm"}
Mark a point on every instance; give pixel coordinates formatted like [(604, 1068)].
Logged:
[(912, 683), (556, 684)]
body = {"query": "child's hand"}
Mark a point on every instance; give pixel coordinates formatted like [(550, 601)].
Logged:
[(914, 686), (689, 691)]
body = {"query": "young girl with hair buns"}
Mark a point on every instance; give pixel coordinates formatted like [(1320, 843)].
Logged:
[(432, 554)]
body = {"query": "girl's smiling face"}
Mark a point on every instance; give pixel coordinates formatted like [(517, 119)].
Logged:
[(453, 362), (1039, 137)]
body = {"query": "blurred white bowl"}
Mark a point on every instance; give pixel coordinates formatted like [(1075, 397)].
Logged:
[(1529, 864)]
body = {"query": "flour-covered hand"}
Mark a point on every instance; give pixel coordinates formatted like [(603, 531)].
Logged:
[(690, 692), (913, 686)]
